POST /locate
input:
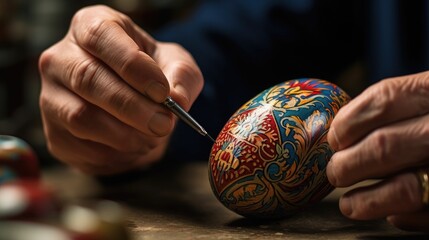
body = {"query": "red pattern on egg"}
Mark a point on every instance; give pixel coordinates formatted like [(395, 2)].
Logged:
[(252, 150)]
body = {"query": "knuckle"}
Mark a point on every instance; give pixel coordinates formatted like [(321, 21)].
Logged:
[(90, 24), (93, 34), (75, 117), (82, 75), (45, 61), (383, 95), (415, 85), (123, 102), (124, 20), (381, 147), (97, 11), (423, 103)]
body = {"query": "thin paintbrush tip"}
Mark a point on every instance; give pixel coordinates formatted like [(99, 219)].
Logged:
[(210, 137)]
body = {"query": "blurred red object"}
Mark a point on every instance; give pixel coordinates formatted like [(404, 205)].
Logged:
[(27, 200)]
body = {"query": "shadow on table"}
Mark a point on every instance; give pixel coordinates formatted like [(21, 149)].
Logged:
[(182, 193), (175, 190), (325, 221)]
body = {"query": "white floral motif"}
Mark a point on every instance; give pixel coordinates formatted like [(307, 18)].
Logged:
[(251, 124)]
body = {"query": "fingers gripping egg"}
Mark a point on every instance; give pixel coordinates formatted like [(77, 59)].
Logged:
[(270, 158)]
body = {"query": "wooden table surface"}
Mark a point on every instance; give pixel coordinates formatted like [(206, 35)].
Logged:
[(176, 202)]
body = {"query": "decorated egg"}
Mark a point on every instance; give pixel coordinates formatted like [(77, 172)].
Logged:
[(270, 158), (17, 160)]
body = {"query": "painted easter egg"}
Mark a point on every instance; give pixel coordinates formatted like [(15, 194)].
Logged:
[(17, 160), (270, 158)]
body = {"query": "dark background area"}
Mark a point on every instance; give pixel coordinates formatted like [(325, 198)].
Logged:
[(29, 27)]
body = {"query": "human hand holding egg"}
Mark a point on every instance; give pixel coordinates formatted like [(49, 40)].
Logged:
[(383, 134)]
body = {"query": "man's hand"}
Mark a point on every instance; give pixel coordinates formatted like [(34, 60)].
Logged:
[(384, 134), (102, 89)]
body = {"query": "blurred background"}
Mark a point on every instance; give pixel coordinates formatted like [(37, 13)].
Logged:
[(29, 27)]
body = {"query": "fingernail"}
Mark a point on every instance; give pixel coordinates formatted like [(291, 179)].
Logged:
[(160, 124), (333, 139), (346, 205), (157, 92), (330, 173)]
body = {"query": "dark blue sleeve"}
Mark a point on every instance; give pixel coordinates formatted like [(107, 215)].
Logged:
[(245, 46)]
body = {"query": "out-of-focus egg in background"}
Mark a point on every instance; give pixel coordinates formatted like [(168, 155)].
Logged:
[(17, 160), (270, 158)]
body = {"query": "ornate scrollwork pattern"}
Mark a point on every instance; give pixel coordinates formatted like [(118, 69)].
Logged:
[(270, 158)]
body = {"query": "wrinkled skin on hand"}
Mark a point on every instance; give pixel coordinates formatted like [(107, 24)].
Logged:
[(102, 86), (384, 134)]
